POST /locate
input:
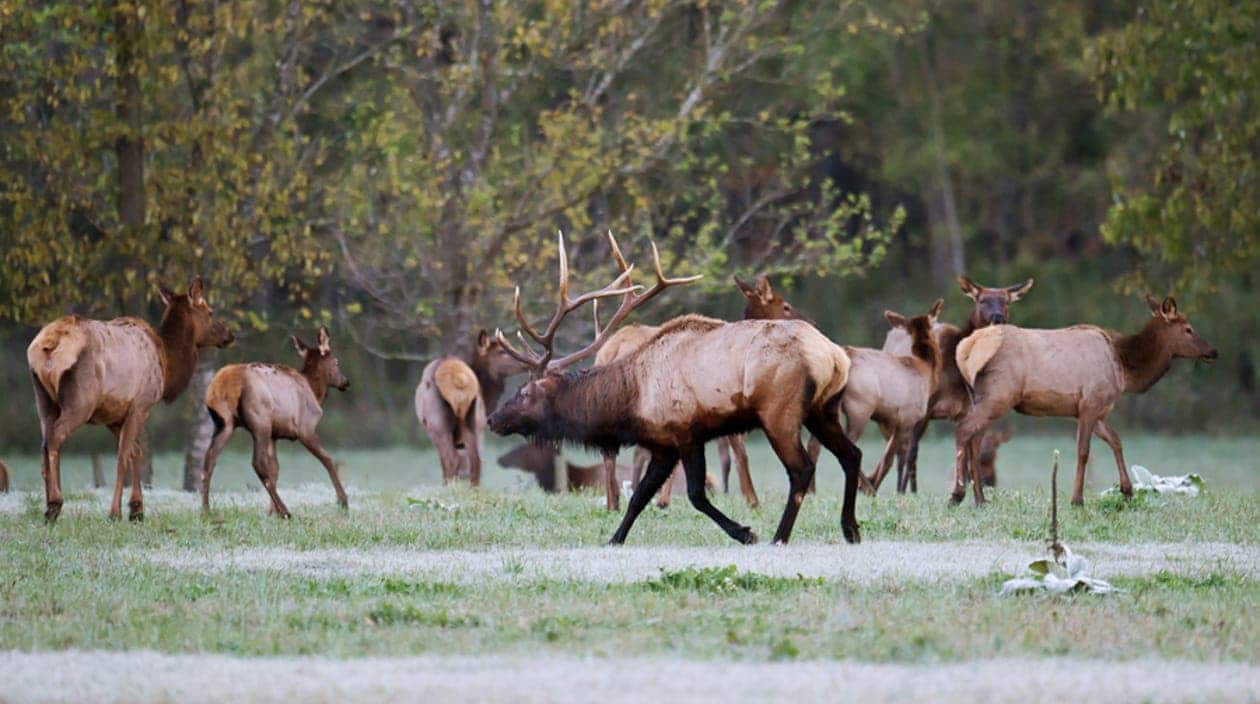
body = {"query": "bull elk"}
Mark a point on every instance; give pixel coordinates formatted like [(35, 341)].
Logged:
[(274, 401), (112, 374), (1078, 372), (697, 379), (893, 390), (453, 397), (990, 306)]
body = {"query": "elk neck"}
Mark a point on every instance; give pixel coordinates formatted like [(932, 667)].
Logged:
[(923, 346), (1144, 357), (315, 377), (595, 407), (491, 385), (179, 351)]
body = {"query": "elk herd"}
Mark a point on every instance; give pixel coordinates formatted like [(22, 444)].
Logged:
[(665, 390)]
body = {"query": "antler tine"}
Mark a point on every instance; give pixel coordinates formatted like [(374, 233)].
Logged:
[(616, 252), (522, 357)]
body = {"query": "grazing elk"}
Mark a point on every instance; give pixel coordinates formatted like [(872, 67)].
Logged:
[(951, 399), (540, 461), (695, 380), (112, 374), (1078, 372), (274, 401), (452, 399), (893, 390)]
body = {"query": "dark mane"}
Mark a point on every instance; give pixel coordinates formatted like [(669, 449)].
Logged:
[(593, 409), (923, 343), (1142, 356)]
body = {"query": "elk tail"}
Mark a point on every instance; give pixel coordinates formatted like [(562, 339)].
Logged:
[(457, 384), (976, 351), (223, 396), (55, 350)]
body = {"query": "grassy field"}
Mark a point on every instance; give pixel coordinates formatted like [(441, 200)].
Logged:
[(418, 570)]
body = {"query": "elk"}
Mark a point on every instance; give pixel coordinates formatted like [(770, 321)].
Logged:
[(695, 380), (540, 461), (4, 477), (452, 399), (951, 399), (274, 401), (1078, 372), (112, 373), (987, 457), (894, 390)]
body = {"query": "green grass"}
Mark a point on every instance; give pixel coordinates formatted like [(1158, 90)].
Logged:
[(67, 587)]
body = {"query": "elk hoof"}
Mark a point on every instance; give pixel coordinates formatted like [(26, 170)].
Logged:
[(852, 534), (746, 536), (344, 504), (1126, 492), (955, 499), (1078, 501), (52, 513)]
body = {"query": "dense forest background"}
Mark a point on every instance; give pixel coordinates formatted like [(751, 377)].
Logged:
[(392, 169)]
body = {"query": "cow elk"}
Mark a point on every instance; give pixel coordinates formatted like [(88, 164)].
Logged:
[(274, 401), (1078, 372), (452, 400), (112, 374), (991, 306), (893, 390), (695, 380)]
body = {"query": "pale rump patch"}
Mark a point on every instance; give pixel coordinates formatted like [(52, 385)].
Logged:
[(869, 563), (146, 676), (55, 349), (457, 384), (976, 351)]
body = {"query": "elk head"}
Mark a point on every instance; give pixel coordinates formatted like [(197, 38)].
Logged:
[(489, 355), (192, 310), (531, 409), (1175, 333), (764, 303), (991, 303), (319, 362), (920, 328)]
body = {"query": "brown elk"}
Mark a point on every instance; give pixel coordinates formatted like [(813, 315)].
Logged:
[(1078, 372), (452, 399), (112, 374), (987, 457), (697, 379), (540, 461), (274, 401), (4, 477), (951, 399), (893, 390)]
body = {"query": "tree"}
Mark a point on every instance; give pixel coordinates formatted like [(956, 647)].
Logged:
[(1187, 199)]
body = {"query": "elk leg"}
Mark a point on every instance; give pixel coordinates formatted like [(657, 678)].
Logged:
[(315, 447), (1084, 431), (740, 452), (58, 421), (912, 456), (966, 436), (973, 455), (1110, 437), (449, 458), (885, 462), (264, 470), (129, 461), (641, 459), (667, 489), (724, 459), (612, 492), (903, 477), (221, 437), (824, 426), (693, 465), (660, 466), (786, 442)]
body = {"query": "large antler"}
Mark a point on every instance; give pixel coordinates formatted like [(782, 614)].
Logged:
[(620, 286)]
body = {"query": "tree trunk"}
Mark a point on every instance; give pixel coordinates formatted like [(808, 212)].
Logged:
[(130, 143), (201, 427), (952, 247)]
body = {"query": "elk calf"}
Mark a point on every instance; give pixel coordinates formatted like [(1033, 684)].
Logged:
[(453, 397), (697, 379), (894, 390), (1078, 372), (112, 374), (274, 401), (540, 461)]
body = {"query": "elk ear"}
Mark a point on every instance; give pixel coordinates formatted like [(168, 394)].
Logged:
[(324, 346), (1017, 291), (299, 345), (744, 287), (1168, 308), (896, 320), (168, 296), (764, 291), (969, 287), (935, 311), (196, 291), (483, 340), (1153, 304)]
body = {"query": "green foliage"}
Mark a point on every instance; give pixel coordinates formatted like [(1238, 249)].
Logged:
[(1187, 201), (724, 580)]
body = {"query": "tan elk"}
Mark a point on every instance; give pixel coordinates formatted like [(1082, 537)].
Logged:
[(893, 390), (697, 379), (274, 401), (1078, 372), (112, 374), (453, 397), (990, 306)]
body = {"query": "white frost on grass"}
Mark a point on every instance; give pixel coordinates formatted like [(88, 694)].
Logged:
[(96, 501), (868, 563), (143, 676)]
